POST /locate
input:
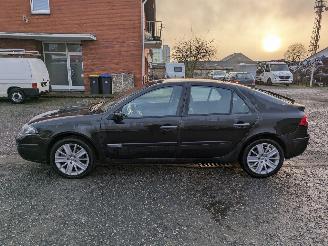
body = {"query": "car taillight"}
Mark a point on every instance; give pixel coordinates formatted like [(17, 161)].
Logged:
[(304, 122), (34, 85)]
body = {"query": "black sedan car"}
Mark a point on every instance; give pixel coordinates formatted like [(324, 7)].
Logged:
[(174, 120), (242, 78)]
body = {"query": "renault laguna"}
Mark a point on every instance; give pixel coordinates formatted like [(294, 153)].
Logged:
[(176, 121)]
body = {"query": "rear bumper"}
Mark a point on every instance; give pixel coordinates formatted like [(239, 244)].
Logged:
[(31, 92), (297, 147)]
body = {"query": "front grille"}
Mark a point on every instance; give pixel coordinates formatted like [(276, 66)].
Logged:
[(44, 84), (284, 77)]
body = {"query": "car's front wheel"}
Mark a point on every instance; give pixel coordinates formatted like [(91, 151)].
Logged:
[(262, 158), (72, 158)]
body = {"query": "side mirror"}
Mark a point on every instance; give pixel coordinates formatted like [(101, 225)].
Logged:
[(118, 117)]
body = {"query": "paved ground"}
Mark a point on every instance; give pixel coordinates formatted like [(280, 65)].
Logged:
[(156, 205)]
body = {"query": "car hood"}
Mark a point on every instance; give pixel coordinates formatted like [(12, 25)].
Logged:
[(63, 113)]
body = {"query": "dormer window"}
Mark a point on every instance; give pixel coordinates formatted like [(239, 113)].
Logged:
[(40, 7)]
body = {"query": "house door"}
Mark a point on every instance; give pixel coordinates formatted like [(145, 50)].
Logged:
[(65, 65), (75, 71)]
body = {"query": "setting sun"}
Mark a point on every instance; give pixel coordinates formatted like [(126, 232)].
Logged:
[(271, 43)]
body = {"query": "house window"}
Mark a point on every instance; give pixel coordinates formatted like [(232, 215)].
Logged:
[(178, 69), (41, 7)]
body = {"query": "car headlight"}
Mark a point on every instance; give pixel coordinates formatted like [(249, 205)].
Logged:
[(28, 130)]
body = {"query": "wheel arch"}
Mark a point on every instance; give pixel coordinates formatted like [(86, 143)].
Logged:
[(79, 136), (12, 88), (260, 136)]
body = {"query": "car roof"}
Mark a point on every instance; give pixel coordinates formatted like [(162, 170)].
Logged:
[(192, 81), (198, 82)]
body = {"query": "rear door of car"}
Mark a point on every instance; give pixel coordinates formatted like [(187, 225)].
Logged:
[(214, 121)]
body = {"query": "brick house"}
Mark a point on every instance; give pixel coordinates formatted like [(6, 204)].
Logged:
[(78, 37)]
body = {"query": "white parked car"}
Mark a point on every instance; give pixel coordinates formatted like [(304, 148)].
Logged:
[(275, 73), (218, 74), (22, 78)]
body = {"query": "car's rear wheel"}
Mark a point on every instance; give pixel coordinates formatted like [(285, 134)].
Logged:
[(72, 158), (262, 158), (16, 96)]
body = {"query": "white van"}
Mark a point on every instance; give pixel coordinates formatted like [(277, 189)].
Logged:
[(22, 78), (175, 70), (275, 73)]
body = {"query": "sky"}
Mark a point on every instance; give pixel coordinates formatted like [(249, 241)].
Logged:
[(242, 25)]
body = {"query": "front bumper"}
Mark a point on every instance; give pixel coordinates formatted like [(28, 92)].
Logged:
[(32, 148), (35, 92), (282, 81)]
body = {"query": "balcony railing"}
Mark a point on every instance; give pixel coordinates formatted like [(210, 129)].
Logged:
[(153, 31)]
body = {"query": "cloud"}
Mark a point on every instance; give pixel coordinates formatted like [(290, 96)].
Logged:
[(239, 25)]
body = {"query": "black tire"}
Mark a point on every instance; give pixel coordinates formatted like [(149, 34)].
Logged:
[(269, 82), (16, 96), (80, 143), (249, 147)]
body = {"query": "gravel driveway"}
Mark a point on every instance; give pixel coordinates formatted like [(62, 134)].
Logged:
[(164, 205)]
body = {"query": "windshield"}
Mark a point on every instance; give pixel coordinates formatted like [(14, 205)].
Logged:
[(105, 106), (279, 67)]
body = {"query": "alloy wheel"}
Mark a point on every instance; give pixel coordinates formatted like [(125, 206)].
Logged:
[(72, 159), (263, 158)]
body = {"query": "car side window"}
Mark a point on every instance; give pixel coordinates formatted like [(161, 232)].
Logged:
[(239, 105), (209, 100), (157, 103)]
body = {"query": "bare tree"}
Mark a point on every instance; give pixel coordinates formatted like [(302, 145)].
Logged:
[(192, 51), (295, 53)]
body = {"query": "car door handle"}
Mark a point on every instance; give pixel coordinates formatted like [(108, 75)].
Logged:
[(242, 125)]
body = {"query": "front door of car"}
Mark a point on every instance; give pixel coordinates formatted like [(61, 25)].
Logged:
[(149, 128), (215, 121)]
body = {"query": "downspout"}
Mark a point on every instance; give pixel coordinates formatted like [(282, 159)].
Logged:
[(143, 59)]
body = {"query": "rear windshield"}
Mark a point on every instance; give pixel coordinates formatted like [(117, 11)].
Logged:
[(271, 98), (245, 76), (178, 69)]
